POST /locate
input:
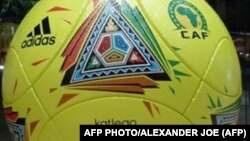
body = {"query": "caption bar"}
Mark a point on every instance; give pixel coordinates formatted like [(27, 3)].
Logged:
[(164, 131)]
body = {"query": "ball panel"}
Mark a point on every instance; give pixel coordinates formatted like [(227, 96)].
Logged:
[(38, 42), (49, 133), (185, 121), (26, 117), (15, 81), (214, 108), (191, 42), (224, 73), (113, 111)]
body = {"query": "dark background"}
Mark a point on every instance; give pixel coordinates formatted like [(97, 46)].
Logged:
[(236, 16), (234, 13), (15, 10)]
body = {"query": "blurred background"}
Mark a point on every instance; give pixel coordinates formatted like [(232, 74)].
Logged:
[(11, 14), (234, 13)]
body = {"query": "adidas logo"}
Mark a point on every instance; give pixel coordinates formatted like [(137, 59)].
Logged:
[(41, 35)]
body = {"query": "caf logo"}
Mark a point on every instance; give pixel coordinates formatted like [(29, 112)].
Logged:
[(185, 15)]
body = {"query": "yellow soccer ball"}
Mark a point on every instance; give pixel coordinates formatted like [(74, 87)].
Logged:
[(110, 62)]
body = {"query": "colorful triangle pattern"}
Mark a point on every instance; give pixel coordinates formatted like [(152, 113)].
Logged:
[(114, 47)]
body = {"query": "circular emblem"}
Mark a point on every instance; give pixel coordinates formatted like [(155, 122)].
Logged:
[(185, 15)]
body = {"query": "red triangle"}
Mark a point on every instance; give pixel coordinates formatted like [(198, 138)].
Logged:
[(157, 109), (52, 90), (65, 98), (96, 2), (15, 86), (136, 58), (58, 8), (28, 111), (33, 126), (149, 107), (39, 62)]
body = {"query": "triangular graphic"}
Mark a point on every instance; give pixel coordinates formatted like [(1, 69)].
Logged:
[(136, 58), (57, 8), (94, 63), (114, 49), (51, 90), (36, 63), (74, 47), (65, 98), (33, 126)]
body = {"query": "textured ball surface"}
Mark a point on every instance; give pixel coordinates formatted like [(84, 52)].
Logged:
[(119, 62)]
